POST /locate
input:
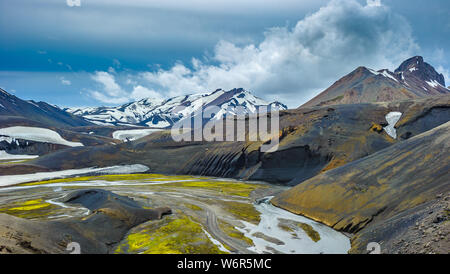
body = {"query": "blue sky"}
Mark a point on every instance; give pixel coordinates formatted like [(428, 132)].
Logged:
[(108, 52)]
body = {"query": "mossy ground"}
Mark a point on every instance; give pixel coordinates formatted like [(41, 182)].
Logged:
[(310, 231), (233, 188), (121, 177), (31, 209), (180, 233), (290, 226), (171, 235), (193, 207), (231, 231), (12, 162), (244, 211)]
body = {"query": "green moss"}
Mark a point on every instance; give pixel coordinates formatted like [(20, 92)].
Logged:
[(119, 177), (231, 231), (245, 211), (286, 227), (31, 209), (12, 162), (225, 187), (169, 236), (193, 207), (309, 230)]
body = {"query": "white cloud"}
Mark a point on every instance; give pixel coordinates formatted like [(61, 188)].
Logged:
[(140, 92), (374, 3), (112, 93), (111, 70), (445, 73), (73, 3), (294, 64), (65, 82), (109, 84)]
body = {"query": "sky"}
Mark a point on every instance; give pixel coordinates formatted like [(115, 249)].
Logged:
[(76, 53)]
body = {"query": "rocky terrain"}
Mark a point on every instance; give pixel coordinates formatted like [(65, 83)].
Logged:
[(372, 196), (423, 229), (414, 78), (42, 112)]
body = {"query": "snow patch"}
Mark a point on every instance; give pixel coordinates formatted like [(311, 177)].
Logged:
[(384, 73), (37, 134), (8, 180), (6, 156), (392, 118), (216, 242), (433, 83), (132, 134)]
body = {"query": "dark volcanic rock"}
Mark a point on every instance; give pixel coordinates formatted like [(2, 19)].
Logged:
[(416, 67), (368, 192), (111, 218), (20, 146), (11, 105), (411, 231)]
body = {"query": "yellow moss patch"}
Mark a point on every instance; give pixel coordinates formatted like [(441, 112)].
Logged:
[(376, 127), (120, 177), (225, 187), (193, 207), (334, 163), (169, 236), (12, 162), (231, 231), (245, 211), (29, 209), (309, 230), (285, 227)]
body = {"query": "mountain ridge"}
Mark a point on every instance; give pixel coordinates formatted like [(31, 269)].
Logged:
[(164, 113), (414, 78), (43, 112)]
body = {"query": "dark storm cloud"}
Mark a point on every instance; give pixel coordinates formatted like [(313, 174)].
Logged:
[(173, 47)]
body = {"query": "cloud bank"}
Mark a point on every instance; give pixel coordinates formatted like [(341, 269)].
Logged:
[(290, 64), (113, 93), (73, 3)]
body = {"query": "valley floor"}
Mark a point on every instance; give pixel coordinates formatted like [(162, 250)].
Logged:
[(209, 215)]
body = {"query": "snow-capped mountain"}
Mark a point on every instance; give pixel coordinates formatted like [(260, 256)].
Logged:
[(412, 79), (164, 113)]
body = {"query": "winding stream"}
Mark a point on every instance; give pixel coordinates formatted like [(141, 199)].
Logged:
[(296, 240), (277, 230)]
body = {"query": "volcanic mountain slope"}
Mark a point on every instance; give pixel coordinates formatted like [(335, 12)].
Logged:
[(388, 194), (312, 141), (164, 113), (412, 79), (42, 112)]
